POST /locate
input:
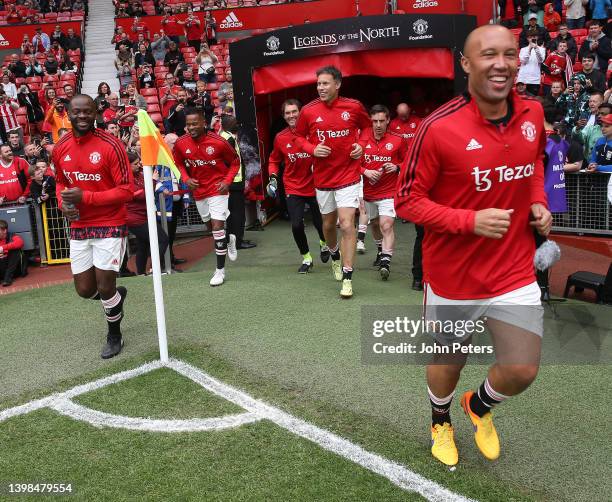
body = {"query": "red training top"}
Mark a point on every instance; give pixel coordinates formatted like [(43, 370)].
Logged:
[(171, 26), (209, 160), (297, 176), (390, 148), (192, 29), (15, 243), (337, 125), (137, 207), (10, 186), (97, 163), (556, 63), (407, 128), (461, 163)]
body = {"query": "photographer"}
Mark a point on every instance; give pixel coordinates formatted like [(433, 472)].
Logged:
[(532, 29), (532, 56), (57, 118), (126, 116), (101, 101), (173, 57), (176, 117), (147, 80), (202, 100), (42, 186)]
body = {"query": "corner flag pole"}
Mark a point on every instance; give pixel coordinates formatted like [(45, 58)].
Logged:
[(157, 282)]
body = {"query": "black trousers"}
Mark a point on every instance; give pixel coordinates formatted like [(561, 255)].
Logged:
[(295, 207), (237, 218), (417, 254), (143, 250), (177, 212), (10, 264), (195, 44)]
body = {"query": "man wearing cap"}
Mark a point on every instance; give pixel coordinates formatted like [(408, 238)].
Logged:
[(532, 29), (532, 56), (601, 156)]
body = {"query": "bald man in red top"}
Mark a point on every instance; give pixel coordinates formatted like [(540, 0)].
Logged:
[(474, 178)]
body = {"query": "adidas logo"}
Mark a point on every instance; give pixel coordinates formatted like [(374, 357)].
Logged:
[(369, 146), (188, 150), (67, 158), (3, 41), (231, 21), (288, 145), (473, 145), (319, 119)]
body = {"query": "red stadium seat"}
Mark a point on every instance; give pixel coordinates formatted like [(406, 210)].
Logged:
[(50, 78), (157, 118), (151, 99), (32, 80), (148, 92), (68, 76), (153, 108), (19, 81)]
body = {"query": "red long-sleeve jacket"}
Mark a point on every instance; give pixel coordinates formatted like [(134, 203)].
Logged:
[(297, 176), (459, 164)]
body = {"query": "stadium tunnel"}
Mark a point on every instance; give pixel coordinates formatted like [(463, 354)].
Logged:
[(383, 59)]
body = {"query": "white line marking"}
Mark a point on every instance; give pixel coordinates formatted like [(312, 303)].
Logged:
[(399, 475), (101, 419)]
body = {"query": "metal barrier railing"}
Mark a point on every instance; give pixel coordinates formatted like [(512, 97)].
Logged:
[(588, 205)]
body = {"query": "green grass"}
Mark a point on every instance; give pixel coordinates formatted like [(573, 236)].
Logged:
[(290, 340)]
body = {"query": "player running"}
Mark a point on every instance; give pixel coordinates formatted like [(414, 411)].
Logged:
[(475, 179), (94, 181), (297, 178), (208, 165), (328, 129), (383, 152)]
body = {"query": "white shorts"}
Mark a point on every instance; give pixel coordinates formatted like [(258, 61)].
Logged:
[(521, 307), (104, 254), (384, 207), (330, 200), (361, 188), (215, 207)]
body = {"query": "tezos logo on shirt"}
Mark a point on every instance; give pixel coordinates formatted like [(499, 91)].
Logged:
[(95, 157), (529, 131)]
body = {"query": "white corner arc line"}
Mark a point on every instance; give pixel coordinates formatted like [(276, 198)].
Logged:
[(396, 473), (101, 419)]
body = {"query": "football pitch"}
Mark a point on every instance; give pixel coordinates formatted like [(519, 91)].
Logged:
[(266, 396)]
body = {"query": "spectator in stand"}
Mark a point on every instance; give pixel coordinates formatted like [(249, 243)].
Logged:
[(12, 16), (143, 56), (574, 102), (595, 79), (203, 101), (126, 117), (124, 57), (136, 10), (26, 46), (78, 6), (65, 6), (112, 127), (552, 20), (56, 118), (187, 80), (576, 13), (72, 42), (598, 44), (206, 61), (601, 156), (117, 36), (565, 35), (161, 6), (51, 64), (41, 41), (112, 111), (147, 80), (56, 50), (57, 35), (33, 68), (33, 108), (556, 89), (124, 40), (173, 57), (554, 67), (14, 141), (10, 254), (8, 119), (193, 30), (159, 45), (139, 27), (588, 135), (536, 7), (16, 67), (68, 90), (13, 172), (169, 97), (67, 65), (532, 56), (49, 97), (42, 186), (8, 86), (137, 219), (134, 98), (210, 29), (52, 6), (599, 10), (176, 116), (226, 101), (140, 39), (101, 101), (533, 30), (172, 26), (36, 151)]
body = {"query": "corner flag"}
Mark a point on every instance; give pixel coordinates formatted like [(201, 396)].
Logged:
[(153, 149)]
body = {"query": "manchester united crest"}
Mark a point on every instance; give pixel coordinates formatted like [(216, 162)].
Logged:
[(345, 115), (389, 146), (210, 150), (95, 157), (529, 131)]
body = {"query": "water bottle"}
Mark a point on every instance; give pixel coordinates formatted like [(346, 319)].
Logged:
[(272, 187)]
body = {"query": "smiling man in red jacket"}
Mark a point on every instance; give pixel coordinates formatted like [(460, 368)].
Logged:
[(474, 178), (94, 181)]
